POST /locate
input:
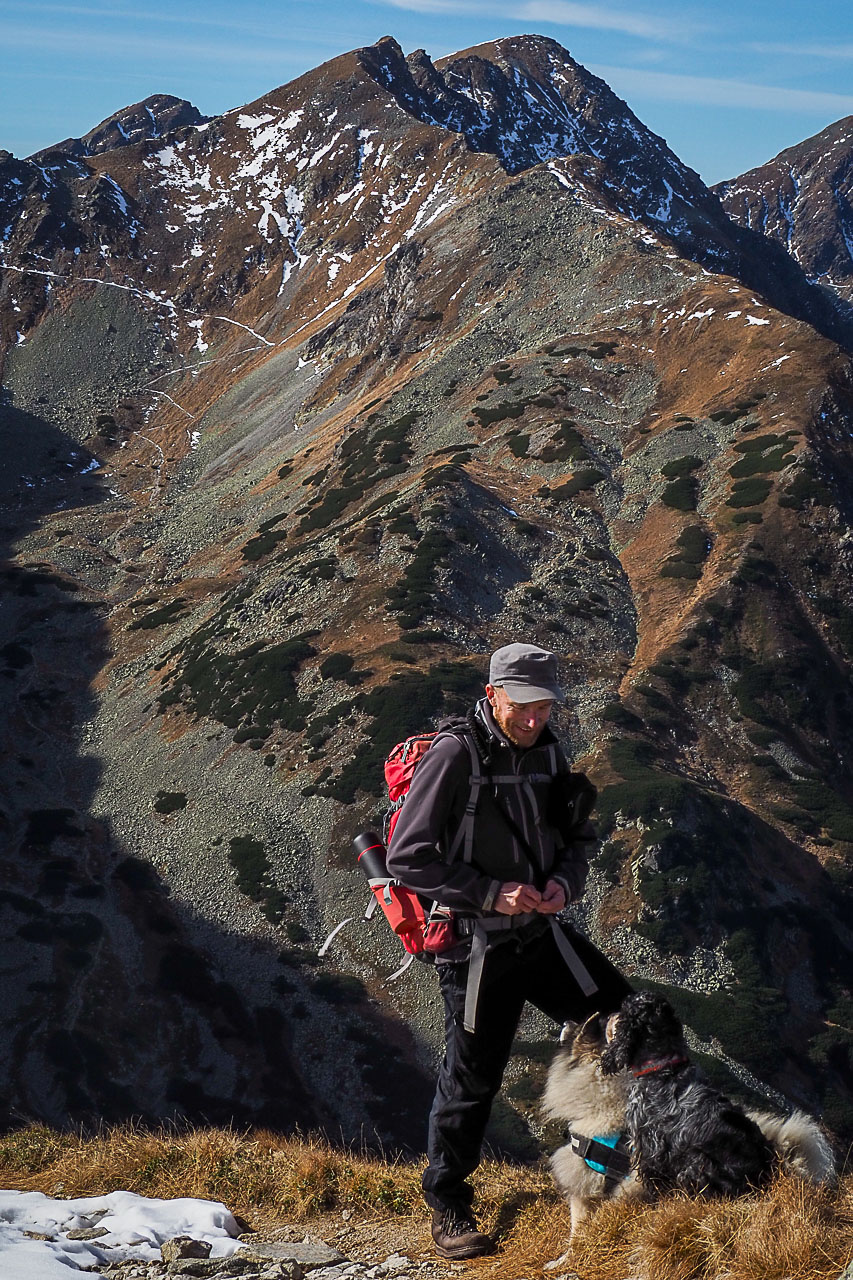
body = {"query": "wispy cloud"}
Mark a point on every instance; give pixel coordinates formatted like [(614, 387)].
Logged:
[(152, 18), (709, 92), (842, 51), (562, 13), (97, 44)]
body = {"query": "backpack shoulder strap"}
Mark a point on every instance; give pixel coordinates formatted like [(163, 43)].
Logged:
[(466, 731)]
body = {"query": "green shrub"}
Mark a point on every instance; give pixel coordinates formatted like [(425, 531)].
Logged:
[(254, 687), (336, 666), (159, 617), (580, 481), (249, 859), (806, 487), (368, 456), (680, 467), (614, 713), (413, 596), (407, 703), (611, 858), (681, 494), (170, 801), (518, 443), (566, 445), (758, 444), (339, 988), (748, 517), (749, 493), (758, 464), (499, 412), (675, 568), (694, 544)]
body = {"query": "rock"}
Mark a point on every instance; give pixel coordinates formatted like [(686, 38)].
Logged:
[(184, 1247), (199, 1267), (240, 1265), (309, 1254), (86, 1233), (394, 1264)]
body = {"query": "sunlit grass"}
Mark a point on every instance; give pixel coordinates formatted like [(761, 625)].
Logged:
[(792, 1231)]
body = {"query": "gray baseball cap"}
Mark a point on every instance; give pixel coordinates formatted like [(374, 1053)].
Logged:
[(526, 672)]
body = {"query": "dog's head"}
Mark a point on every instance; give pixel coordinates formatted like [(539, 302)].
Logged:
[(645, 1027), (584, 1041)]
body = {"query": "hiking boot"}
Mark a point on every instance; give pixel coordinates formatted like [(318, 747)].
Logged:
[(455, 1234)]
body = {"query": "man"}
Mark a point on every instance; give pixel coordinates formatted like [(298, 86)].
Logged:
[(492, 828)]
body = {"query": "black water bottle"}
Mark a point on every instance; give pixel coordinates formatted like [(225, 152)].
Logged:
[(370, 852)]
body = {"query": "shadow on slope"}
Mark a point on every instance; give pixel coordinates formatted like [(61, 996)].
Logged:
[(120, 1003)]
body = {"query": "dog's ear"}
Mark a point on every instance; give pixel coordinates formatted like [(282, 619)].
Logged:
[(592, 1029), (568, 1032), (614, 1055), (625, 1035)]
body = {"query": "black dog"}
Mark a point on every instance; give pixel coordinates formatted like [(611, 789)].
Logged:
[(686, 1136)]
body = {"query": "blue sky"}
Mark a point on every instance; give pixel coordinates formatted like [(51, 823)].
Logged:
[(727, 85)]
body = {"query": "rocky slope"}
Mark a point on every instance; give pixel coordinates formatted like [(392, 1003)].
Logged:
[(801, 199), (306, 409)]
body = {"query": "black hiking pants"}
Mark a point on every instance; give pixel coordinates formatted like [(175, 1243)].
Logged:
[(521, 966)]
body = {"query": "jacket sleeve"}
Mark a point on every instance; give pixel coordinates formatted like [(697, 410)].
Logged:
[(433, 806)]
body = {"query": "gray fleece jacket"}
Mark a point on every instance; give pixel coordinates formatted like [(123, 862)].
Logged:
[(419, 853)]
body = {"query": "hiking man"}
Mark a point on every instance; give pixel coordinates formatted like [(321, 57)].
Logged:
[(493, 828)]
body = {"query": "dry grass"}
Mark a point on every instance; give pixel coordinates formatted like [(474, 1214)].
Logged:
[(791, 1232)]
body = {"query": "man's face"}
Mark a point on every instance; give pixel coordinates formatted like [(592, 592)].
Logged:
[(521, 722)]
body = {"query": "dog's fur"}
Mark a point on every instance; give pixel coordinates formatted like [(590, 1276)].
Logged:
[(591, 1104), (685, 1134)]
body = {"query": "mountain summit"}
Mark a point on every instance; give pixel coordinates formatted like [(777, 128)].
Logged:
[(308, 407), (802, 199)]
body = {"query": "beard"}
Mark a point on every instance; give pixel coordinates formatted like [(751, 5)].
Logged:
[(510, 733)]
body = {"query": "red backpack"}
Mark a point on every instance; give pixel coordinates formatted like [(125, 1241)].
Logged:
[(424, 928)]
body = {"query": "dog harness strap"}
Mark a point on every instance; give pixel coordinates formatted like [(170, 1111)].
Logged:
[(606, 1154)]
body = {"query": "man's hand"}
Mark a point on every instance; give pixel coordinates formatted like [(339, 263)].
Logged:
[(552, 900), (514, 899)]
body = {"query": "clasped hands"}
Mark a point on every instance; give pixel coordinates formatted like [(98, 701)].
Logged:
[(515, 899)]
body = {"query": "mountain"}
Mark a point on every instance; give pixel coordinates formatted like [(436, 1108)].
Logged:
[(308, 407), (802, 199)]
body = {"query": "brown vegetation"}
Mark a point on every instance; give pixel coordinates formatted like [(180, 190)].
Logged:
[(793, 1231)]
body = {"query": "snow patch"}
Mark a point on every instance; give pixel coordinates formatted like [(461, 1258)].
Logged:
[(134, 1227)]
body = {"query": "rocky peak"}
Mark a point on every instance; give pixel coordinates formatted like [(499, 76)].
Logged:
[(802, 199), (154, 117), (526, 101)]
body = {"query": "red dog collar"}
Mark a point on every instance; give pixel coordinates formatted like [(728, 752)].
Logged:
[(660, 1065)]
